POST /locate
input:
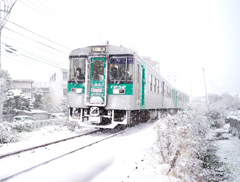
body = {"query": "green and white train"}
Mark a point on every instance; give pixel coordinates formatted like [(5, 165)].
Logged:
[(111, 85)]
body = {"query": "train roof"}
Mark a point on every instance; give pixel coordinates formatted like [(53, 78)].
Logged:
[(110, 49)]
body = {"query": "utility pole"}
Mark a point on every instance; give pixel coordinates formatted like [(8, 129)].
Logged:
[(8, 5), (207, 102), (1, 79)]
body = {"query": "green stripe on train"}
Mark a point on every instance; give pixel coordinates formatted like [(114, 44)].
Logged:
[(127, 86), (74, 85)]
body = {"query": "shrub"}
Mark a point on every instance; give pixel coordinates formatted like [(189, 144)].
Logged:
[(182, 143)]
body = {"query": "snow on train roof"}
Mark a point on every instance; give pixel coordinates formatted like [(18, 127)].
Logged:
[(111, 49)]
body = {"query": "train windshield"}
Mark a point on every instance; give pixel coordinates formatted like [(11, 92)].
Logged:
[(98, 70), (77, 69), (121, 69)]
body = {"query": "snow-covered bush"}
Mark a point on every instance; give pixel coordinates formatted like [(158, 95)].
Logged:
[(182, 143), (21, 127), (6, 135), (16, 102), (220, 106), (71, 125), (9, 131)]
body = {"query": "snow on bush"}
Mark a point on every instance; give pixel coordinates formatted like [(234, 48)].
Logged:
[(220, 106), (182, 143), (6, 135), (9, 131)]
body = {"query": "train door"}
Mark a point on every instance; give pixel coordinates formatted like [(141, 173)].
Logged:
[(96, 88), (143, 87), (138, 86)]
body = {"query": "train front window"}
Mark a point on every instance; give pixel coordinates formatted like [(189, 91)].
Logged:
[(121, 69), (77, 69), (98, 70)]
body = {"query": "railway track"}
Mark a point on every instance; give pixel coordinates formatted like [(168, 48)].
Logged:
[(13, 174), (43, 145)]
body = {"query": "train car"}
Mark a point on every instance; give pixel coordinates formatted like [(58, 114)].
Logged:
[(111, 85)]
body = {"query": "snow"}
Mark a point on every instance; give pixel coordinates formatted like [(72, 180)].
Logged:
[(129, 157), (16, 92), (44, 135), (228, 153), (38, 111)]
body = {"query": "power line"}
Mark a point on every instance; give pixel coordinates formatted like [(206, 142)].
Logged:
[(36, 10), (50, 15), (7, 12), (31, 46), (38, 35), (47, 14), (10, 58), (35, 40), (41, 61), (55, 18), (33, 54)]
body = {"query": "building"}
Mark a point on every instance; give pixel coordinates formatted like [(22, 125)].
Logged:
[(25, 85), (58, 85), (43, 87)]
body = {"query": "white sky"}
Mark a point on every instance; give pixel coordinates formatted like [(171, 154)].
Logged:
[(183, 35)]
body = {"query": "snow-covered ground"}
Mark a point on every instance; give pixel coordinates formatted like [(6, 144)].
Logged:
[(228, 151), (129, 157)]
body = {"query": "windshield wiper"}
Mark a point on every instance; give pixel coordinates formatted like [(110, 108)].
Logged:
[(120, 78)]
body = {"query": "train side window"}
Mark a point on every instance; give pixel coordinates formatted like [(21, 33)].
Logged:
[(150, 82), (168, 92), (157, 82), (162, 88), (153, 84), (121, 69)]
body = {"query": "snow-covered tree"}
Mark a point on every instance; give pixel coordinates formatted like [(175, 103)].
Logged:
[(63, 106), (7, 81), (38, 103), (49, 105), (220, 106), (226, 101), (15, 102)]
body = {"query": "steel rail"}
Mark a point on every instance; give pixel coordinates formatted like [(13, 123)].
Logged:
[(44, 145), (60, 156)]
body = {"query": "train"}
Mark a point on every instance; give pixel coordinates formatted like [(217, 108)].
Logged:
[(111, 86)]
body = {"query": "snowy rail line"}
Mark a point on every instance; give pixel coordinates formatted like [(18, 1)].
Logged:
[(44, 145), (15, 172)]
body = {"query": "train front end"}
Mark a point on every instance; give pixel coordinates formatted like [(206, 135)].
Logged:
[(100, 80)]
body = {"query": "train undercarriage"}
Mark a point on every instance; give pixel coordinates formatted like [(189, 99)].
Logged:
[(99, 117)]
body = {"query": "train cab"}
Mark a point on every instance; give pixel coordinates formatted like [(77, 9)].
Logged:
[(100, 85)]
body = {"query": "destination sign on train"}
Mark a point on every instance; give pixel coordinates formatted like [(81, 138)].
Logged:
[(99, 49)]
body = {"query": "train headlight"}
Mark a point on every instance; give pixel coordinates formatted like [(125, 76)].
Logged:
[(77, 90), (118, 91)]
